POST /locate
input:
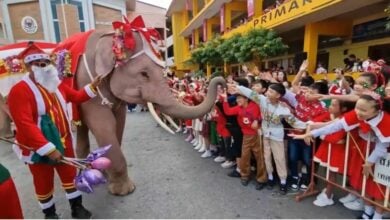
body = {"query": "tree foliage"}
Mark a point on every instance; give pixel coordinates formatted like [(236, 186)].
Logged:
[(260, 43), (229, 48), (207, 53), (255, 45)]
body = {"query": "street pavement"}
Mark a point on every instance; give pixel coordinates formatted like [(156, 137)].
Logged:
[(172, 181)]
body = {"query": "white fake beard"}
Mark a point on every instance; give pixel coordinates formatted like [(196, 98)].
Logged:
[(47, 77)]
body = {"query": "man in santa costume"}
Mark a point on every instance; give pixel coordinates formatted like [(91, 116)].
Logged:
[(38, 107)]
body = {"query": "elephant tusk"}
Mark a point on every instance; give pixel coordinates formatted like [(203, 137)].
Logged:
[(158, 119), (171, 121)]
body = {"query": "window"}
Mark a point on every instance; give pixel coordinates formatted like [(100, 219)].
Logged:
[(77, 3)]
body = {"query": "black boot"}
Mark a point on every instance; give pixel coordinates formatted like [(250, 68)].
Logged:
[(50, 213), (78, 210)]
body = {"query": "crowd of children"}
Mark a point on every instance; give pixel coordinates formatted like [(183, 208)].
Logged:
[(258, 123)]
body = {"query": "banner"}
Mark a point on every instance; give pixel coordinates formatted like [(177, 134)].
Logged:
[(250, 5), (382, 171), (222, 17)]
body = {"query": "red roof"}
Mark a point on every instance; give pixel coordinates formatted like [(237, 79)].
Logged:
[(42, 45)]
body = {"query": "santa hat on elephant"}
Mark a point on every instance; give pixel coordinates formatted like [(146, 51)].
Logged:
[(33, 53)]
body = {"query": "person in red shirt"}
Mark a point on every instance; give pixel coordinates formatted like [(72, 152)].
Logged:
[(38, 108), (248, 116)]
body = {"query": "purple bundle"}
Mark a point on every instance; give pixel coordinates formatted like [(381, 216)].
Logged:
[(91, 168)]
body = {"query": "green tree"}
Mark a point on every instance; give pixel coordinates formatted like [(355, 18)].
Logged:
[(207, 53), (260, 43), (229, 48)]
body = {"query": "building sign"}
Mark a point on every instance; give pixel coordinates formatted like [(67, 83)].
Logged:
[(382, 171), (290, 10), (29, 25), (222, 17), (250, 6)]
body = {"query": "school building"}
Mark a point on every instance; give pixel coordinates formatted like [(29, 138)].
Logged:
[(323, 31)]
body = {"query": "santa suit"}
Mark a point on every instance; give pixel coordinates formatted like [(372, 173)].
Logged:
[(337, 147), (28, 102), (376, 133)]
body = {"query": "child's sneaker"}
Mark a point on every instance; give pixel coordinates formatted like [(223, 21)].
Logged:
[(189, 138), (294, 184), (304, 183), (322, 200), (219, 159), (185, 131), (193, 140), (197, 147), (283, 189), (348, 198), (202, 149), (228, 164), (356, 205), (234, 173), (206, 154), (270, 184)]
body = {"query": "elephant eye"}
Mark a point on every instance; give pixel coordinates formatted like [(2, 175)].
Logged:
[(145, 74)]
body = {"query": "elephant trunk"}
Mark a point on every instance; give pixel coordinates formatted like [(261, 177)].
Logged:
[(178, 110)]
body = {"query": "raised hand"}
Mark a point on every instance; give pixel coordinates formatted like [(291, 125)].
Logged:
[(232, 88), (304, 65)]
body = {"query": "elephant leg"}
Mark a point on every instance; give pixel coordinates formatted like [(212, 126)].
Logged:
[(83, 146), (102, 123), (120, 115)]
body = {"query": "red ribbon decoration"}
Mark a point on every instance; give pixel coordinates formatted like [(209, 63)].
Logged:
[(124, 38)]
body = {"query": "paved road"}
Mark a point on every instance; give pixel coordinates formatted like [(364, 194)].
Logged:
[(172, 182)]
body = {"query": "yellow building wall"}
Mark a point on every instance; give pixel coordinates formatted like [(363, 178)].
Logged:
[(336, 54)]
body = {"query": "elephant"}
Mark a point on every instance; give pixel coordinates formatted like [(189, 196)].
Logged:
[(138, 80)]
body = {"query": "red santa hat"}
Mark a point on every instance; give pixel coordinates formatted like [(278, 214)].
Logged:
[(32, 53)]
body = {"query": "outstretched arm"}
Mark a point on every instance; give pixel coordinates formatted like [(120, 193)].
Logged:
[(251, 94), (89, 91), (328, 129)]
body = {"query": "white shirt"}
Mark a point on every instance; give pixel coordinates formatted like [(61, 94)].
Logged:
[(272, 115)]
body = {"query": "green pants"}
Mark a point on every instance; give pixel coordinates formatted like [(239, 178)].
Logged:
[(213, 133)]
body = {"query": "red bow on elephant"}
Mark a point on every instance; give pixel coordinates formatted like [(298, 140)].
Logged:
[(124, 29), (137, 24)]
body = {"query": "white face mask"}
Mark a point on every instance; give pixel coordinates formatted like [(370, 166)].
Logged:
[(47, 77)]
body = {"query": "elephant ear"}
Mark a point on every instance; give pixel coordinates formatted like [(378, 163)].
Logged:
[(104, 56)]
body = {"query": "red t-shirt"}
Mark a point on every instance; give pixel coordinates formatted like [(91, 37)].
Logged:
[(221, 123), (245, 116)]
